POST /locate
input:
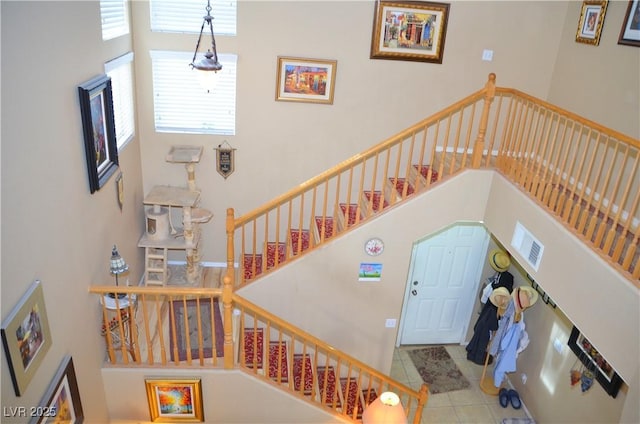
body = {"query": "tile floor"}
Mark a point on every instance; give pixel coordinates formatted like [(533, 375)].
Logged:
[(471, 405)]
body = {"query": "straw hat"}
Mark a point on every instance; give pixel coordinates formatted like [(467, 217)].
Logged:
[(499, 260), (500, 297), (524, 297)]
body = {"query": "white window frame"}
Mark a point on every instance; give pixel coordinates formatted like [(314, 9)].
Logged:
[(186, 16), (114, 16), (120, 70), (181, 105)]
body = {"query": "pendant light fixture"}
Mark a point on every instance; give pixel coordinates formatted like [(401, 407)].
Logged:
[(207, 66)]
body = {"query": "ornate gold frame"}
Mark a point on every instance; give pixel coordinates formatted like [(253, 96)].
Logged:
[(194, 412), (298, 88), (591, 20)]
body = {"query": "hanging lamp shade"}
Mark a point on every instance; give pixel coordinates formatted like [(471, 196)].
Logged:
[(386, 409), (207, 65)]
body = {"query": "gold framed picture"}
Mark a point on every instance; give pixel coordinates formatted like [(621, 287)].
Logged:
[(175, 400), (411, 30), (306, 80), (591, 21)]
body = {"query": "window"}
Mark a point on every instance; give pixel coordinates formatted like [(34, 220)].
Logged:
[(186, 16), (182, 105), (121, 73), (115, 18)]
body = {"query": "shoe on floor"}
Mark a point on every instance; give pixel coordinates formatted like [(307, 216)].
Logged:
[(503, 397), (514, 398)]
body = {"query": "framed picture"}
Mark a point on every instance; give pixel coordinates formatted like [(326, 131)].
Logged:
[(594, 362), (172, 401), (61, 402), (411, 30), (306, 80), (96, 107), (591, 21), (26, 337), (630, 32)]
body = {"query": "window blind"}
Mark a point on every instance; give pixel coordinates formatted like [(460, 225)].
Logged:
[(121, 73), (182, 105), (115, 18), (187, 16)]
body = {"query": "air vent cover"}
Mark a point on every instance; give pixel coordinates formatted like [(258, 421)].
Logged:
[(527, 245)]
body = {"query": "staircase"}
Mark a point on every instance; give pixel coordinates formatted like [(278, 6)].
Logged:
[(585, 175)]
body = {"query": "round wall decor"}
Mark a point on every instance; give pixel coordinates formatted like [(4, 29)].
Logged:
[(374, 246)]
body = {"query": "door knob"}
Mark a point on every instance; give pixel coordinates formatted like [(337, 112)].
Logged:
[(414, 292)]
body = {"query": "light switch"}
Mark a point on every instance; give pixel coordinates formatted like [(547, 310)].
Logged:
[(487, 55), (390, 323)]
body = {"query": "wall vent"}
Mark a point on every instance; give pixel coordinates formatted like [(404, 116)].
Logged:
[(527, 245)]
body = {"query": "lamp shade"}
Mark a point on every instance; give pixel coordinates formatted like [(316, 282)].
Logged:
[(117, 265), (386, 409)]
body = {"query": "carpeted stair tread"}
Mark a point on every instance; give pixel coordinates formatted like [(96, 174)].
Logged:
[(299, 240), (351, 396), (281, 250), (298, 373), (352, 215), (377, 198), (253, 347), (424, 171), (328, 227), (278, 350), (327, 385), (399, 183), (252, 265), (369, 395)]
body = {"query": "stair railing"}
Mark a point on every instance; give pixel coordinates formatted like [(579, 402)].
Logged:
[(281, 354), (148, 326), (585, 174)]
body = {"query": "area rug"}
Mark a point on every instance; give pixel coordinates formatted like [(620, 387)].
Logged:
[(437, 369), (208, 336)]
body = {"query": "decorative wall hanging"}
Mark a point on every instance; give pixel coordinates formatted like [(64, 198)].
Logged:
[(370, 272), (306, 80), (630, 32), (26, 337), (225, 159), (61, 402), (595, 363), (120, 190), (175, 400), (409, 31), (96, 107), (591, 21)]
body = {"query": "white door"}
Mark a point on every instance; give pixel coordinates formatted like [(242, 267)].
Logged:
[(444, 278)]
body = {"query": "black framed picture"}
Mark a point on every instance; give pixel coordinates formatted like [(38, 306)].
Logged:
[(595, 362), (61, 402), (96, 106)]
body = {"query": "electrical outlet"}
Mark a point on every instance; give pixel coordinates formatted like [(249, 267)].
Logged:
[(390, 323), (487, 55)]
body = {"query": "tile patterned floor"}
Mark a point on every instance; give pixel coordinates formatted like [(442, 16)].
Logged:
[(471, 405)]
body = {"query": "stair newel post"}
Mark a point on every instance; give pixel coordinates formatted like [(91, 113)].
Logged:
[(227, 293), (422, 402), (478, 148)]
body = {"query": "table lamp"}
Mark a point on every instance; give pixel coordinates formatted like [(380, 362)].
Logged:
[(386, 409), (117, 266)]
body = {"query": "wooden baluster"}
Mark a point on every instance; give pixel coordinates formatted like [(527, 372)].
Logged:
[(159, 313), (573, 219), (617, 252), (540, 160), (613, 231), (601, 230), (530, 146), (543, 183), (558, 187), (422, 402), (490, 92), (562, 199)]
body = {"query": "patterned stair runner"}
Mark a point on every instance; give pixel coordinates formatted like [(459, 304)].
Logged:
[(328, 227), (400, 186), (351, 396), (278, 350), (300, 373), (353, 213), (377, 198), (253, 347), (252, 265), (327, 385), (299, 240), (424, 171)]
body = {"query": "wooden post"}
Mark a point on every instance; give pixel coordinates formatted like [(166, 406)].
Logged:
[(227, 293), (478, 148), (422, 402)]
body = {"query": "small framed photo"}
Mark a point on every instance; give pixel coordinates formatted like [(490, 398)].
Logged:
[(306, 80), (61, 402), (96, 107), (175, 400), (591, 21), (630, 32), (26, 337), (411, 30)]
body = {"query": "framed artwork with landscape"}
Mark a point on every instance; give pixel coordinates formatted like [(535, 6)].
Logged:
[(305, 80), (591, 20), (630, 32), (175, 400), (96, 107), (26, 337), (61, 402), (411, 30)]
